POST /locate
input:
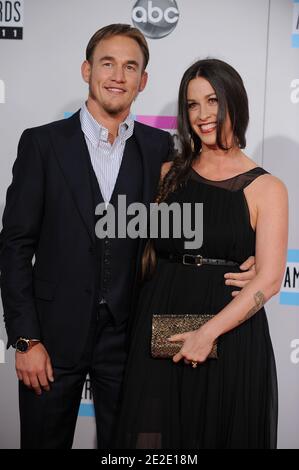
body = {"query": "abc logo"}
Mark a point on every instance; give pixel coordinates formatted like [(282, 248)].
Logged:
[(155, 18)]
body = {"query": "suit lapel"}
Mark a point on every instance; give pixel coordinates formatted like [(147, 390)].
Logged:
[(72, 155), (151, 171)]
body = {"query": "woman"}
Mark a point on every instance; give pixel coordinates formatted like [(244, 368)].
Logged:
[(192, 401)]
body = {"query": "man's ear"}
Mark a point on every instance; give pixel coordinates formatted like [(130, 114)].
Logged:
[(143, 81), (86, 71)]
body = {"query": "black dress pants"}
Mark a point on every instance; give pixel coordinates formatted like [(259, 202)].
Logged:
[(48, 421)]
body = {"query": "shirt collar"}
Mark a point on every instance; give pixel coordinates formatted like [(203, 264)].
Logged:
[(96, 133)]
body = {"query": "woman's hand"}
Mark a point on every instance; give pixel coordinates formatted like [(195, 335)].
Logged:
[(197, 345)]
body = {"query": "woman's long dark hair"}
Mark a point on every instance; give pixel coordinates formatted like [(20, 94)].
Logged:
[(232, 98)]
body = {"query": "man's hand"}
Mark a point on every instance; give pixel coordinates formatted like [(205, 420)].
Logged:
[(241, 279), (34, 368)]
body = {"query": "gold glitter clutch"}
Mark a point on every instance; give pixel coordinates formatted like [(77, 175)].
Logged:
[(164, 326)]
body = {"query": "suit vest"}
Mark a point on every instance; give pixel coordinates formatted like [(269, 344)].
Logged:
[(116, 257)]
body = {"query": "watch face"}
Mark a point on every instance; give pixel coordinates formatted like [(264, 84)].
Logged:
[(22, 345)]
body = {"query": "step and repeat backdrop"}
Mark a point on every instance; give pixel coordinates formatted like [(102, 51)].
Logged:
[(42, 46)]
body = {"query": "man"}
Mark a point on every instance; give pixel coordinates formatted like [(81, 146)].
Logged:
[(67, 315)]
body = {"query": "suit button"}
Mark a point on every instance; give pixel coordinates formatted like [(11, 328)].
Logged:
[(88, 290), (90, 249)]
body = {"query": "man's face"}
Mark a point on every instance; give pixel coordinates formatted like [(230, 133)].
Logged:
[(115, 75)]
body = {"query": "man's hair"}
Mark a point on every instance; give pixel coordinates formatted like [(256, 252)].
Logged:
[(118, 29)]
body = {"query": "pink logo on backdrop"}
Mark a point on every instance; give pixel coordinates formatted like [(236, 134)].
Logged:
[(161, 122)]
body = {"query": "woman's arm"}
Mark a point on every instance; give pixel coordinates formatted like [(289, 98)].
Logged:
[(271, 247), (271, 203)]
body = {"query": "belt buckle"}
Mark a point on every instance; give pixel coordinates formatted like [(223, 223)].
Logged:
[(197, 260)]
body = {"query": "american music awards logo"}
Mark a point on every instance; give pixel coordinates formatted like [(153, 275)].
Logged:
[(86, 406), (289, 293), (167, 123), (295, 30), (11, 19)]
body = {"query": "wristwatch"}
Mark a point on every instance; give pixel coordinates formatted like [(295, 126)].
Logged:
[(24, 345)]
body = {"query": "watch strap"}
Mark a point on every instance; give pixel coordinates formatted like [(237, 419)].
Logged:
[(30, 342)]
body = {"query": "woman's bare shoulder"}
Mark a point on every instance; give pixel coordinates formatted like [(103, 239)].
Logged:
[(268, 182)]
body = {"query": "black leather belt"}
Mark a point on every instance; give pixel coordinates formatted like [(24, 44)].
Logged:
[(195, 260)]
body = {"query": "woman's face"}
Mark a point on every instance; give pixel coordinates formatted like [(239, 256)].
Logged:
[(203, 110)]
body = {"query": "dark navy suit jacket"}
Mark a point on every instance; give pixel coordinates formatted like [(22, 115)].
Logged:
[(49, 217)]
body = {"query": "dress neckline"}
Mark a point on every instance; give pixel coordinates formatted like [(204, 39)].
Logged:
[(227, 179)]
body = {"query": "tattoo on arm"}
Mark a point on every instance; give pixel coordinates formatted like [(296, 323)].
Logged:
[(259, 300)]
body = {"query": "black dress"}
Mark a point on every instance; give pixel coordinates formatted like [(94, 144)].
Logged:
[(230, 402)]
